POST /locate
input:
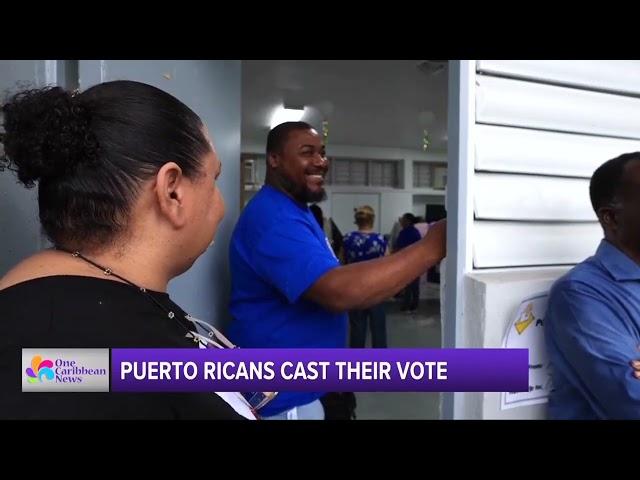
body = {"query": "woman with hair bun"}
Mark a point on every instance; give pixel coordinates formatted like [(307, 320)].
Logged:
[(126, 177)]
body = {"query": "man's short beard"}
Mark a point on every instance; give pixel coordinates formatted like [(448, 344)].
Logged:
[(315, 197), (301, 193)]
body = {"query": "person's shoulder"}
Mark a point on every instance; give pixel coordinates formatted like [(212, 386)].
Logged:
[(34, 291), (271, 206), (261, 201), (41, 264), (583, 279), (584, 272), (27, 305), (262, 212), (26, 297), (576, 296)]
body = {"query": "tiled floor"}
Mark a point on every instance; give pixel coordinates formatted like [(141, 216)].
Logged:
[(406, 331)]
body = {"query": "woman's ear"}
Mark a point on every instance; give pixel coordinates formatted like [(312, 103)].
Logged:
[(170, 194)]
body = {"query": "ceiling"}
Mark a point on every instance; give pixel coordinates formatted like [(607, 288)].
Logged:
[(372, 103)]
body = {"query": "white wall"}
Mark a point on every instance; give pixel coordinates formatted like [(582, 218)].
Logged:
[(344, 204), (554, 132), (610, 75), (394, 204), (538, 130)]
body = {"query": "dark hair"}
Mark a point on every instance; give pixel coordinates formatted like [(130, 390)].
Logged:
[(278, 135), (607, 179), (91, 151), (410, 217)]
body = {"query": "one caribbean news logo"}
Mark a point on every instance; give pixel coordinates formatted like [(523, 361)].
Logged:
[(40, 369), (65, 370)]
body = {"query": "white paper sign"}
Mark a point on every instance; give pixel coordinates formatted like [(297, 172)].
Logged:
[(526, 330)]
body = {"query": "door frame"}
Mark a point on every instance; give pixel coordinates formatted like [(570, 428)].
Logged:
[(459, 206)]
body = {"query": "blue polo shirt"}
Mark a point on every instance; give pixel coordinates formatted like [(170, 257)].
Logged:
[(592, 331), (277, 252)]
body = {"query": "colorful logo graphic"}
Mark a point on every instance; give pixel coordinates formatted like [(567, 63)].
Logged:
[(526, 319), (39, 368)]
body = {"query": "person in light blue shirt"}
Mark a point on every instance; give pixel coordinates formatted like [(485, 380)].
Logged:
[(592, 325), (288, 289)]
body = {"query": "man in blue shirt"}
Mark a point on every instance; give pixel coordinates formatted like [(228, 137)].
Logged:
[(288, 289), (592, 324)]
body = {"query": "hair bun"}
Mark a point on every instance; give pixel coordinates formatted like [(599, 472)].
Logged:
[(46, 134)]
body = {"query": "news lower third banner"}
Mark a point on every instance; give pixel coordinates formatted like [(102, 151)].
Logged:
[(276, 370), (330, 370)]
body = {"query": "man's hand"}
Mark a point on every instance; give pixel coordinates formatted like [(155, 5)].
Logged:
[(635, 364), (437, 238)]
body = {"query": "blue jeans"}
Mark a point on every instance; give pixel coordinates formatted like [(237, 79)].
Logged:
[(377, 320)]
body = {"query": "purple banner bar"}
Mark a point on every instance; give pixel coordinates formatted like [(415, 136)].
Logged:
[(330, 370)]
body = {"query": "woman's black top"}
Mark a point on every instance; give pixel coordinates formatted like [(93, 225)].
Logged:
[(84, 312)]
